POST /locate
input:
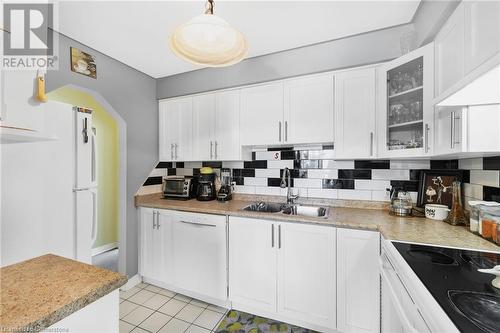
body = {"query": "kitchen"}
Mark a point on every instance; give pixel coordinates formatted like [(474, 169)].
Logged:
[(326, 171)]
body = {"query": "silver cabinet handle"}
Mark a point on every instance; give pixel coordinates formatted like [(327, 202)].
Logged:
[(176, 156), (371, 143), (157, 220), (286, 131), (452, 132), (215, 146), (427, 128), (154, 219), (211, 149), (272, 235), (171, 151), (198, 224), (279, 236), (279, 130)]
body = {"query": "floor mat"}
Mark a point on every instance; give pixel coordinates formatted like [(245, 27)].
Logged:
[(241, 322)]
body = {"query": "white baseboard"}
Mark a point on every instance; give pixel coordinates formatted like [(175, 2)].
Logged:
[(104, 248), (132, 282)]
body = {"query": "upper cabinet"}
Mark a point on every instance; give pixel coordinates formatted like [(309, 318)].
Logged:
[(261, 117), (406, 113), (308, 116), (204, 127), (227, 126), (176, 139), (355, 113)]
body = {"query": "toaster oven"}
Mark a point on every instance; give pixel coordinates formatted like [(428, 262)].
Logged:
[(179, 187)]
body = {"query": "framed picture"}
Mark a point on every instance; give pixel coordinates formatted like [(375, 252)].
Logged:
[(436, 187), (83, 63)]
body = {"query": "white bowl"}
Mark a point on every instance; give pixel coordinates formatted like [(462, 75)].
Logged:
[(436, 212)]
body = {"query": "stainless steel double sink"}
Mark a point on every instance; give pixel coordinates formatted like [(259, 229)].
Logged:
[(294, 209)]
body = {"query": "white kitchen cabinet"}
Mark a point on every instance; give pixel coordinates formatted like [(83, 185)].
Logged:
[(406, 114), (200, 255), (203, 127), (227, 126), (308, 110), (358, 289), (261, 117), (449, 52), (252, 264), (176, 129), (482, 32), (483, 122), (306, 273), (155, 254), (450, 130), (355, 108)]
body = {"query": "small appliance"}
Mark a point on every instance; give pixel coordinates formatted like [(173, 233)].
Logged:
[(179, 187), (401, 203), (225, 191), (206, 186)]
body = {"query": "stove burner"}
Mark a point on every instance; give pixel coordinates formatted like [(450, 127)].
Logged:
[(483, 310), (430, 256), (481, 260)]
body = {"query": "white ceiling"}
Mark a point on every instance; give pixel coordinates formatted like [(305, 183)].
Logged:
[(136, 32)]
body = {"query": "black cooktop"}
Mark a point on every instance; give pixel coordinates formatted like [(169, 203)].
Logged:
[(451, 276)]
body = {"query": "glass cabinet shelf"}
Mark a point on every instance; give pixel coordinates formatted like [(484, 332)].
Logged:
[(406, 92)]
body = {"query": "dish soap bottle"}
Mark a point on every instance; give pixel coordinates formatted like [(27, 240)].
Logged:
[(456, 216)]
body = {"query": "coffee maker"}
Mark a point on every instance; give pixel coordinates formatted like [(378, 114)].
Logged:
[(206, 185), (225, 191)]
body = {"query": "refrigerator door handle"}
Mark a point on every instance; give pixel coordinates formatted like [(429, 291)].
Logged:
[(93, 162), (85, 131)]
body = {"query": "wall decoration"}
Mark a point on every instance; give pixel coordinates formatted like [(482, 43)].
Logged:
[(436, 187), (83, 63)]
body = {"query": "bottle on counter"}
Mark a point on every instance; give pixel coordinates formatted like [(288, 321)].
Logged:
[(456, 215)]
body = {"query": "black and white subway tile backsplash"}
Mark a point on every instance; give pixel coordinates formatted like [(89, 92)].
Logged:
[(316, 175)]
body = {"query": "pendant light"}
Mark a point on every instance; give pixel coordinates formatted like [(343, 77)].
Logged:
[(208, 40)]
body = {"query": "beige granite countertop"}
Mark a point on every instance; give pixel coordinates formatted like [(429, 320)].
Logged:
[(41, 291), (404, 229)]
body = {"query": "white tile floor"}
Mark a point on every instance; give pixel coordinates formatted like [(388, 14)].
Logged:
[(147, 308)]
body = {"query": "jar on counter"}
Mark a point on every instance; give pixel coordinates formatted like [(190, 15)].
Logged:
[(474, 216), (489, 221), (484, 205)]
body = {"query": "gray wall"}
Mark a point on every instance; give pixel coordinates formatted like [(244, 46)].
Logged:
[(132, 95)]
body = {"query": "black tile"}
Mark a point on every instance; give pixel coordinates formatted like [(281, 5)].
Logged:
[(491, 193), (164, 165), (491, 163), (327, 147), (347, 184), (238, 180), (415, 174), (259, 164), (247, 172), (405, 185), (279, 148), (444, 164), (355, 174), (465, 176), (307, 164), (236, 173), (289, 155), (153, 181), (196, 172), (295, 173), (171, 172), (179, 164), (212, 164), (377, 164), (276, 182), (253, 156)]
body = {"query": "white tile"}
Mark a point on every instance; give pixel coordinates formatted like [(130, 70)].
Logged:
[(473, 190), (414, 196), (208, 319), (370, 184), (471, 163), (158, 173), (164, 292), (175, 326), (268, 155), (197, 329), (189, 313), (410, 164), (130, 292), (138, 315), (126, 307), (183, 298), (184, 172), (154, 322), (156, 301), (354, 194), (199, 303), (172, 307), (331, 164), (301, 192), (251, 181), (233, 164), (244, 189), (217, 308), (141, 297), (267, 190), (139, 330), (192, 165), (322, 193), (267, 173), (379, 195), (485, 177), (307, 183), (308, 147), (125, 327), (391, 174), (321, 154), (280, 164), (322, 173)]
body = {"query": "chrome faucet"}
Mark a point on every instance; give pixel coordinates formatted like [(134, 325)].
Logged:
[(290, 199)]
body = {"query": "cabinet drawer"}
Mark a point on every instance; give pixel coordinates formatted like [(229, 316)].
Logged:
[(215, 220)]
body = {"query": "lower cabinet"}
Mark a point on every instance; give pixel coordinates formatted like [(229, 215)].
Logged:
[(358, 283)]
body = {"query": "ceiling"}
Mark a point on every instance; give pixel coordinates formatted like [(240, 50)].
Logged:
[(136, 32)]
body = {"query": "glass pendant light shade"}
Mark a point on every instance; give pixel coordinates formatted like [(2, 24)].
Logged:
[(210, 41)]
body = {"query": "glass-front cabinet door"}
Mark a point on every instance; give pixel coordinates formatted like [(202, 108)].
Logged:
[(406, 111)]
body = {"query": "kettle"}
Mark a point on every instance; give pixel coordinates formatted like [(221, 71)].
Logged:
[(401, 203)]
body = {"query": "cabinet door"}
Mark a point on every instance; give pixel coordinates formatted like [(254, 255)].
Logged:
[(358, 288), (203, 127), (309, 110), (482, 32), (483, 125), (227, 126), (261, 117), (168, 131), (448, 138), (252, 264), (306, 273), (162, 246), (146, 250), (355, 114), (184, 143), (449, 51)]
